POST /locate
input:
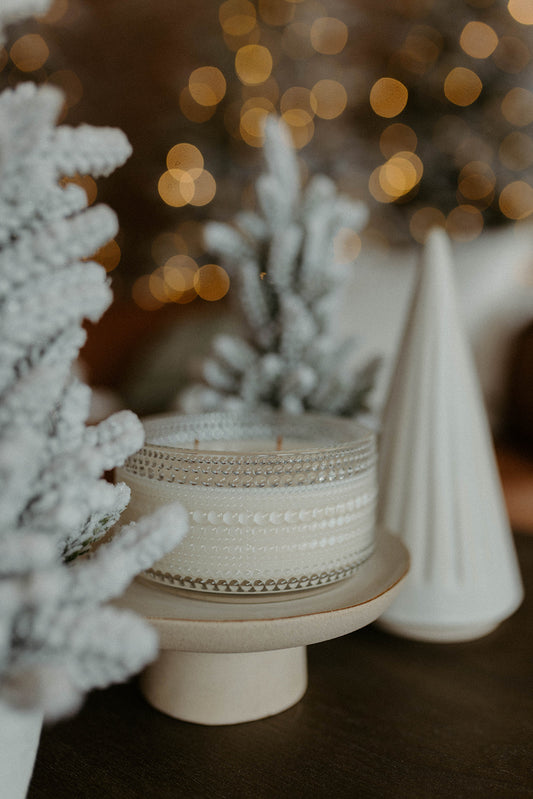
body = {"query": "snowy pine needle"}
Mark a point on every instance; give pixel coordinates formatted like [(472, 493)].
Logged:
[(57, 638), (281, 261)]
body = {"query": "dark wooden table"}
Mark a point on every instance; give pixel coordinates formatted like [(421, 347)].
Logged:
[(383, 717)]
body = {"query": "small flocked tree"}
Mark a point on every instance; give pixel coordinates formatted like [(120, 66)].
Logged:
[(281, 260), (57, 638)]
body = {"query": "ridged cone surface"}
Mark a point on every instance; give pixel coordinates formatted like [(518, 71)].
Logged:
[(439, 485)]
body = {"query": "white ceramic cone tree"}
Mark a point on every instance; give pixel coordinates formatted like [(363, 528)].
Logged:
[(439, 485)]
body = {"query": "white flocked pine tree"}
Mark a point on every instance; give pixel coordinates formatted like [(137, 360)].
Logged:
[(281, 260), (57, 637)]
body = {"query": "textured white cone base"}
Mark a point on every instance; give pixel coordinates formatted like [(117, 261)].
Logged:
[(438, 635), (19, 739), (220, 688)]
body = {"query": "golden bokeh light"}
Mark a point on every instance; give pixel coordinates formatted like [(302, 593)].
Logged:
[(478, 39), (234, 43), (346, 245), (301, 128), (464, 223), (29, 52), (211, 282), (167, 244), (178, 274), (252, 121), (423, 221), (193, 110), (420, 49), (276, 12), (462, 86), (186, 157), (70, 85), (476, 181), (397, 137), (157, 285), (375, 188), (328, 98), (296, 41), (253, 64), (297, 106), (517, 107), (205, 188), (207, 85), (328, 35), (176, 188), (516, 151), (142, 295), (108, 255), (400, 174), (516, 200), (388, 97), (512, 55), (237, 17), (269, 90), (521, 10)]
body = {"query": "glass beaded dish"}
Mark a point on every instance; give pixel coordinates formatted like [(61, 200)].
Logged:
[(277, 503)]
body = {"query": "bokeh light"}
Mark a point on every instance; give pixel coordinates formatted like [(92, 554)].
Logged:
[(516, 151), (142, 295), (237, 17), (276, 12), (462, 86), (397, 137), (297, 106), (478, 39), (476, 181), (207, 85), (521, 10), (211, 282), (108, 255), (205, 188), (346, 245), (512, 55), (517, 107), (186, 157), (70, 85), (193, 110), (328, 98), (424, 220), (296, 41), (29, 52), (388, 97), (252, 121), (400, 174), (328, 35), (253, 64), (176, 188), (516, 200), (464, 223), (178, 275)]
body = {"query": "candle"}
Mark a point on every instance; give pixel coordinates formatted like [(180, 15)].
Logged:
[(276, 502)]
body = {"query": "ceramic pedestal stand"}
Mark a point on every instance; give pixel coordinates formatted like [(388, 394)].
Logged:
[(231, 662)]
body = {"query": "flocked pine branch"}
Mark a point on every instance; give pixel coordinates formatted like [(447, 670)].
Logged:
[(281, 260), (57, 638)]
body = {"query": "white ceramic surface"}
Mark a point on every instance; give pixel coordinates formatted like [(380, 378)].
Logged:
[(439, 487), (224, 663), (20, 731)]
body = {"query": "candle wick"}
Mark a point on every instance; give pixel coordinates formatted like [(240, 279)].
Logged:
[(279, 443), (196, 443)]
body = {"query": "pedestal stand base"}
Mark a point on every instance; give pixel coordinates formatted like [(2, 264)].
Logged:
[(219, 688)]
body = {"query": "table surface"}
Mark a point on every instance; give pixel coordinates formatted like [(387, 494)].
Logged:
[(382, 717)]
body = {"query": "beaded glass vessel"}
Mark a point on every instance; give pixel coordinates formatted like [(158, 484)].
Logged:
[(277, 503)]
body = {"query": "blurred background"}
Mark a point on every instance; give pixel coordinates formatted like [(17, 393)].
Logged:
[(423, 109)]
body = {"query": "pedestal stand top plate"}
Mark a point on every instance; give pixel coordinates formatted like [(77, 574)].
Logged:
[(197, 625)]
